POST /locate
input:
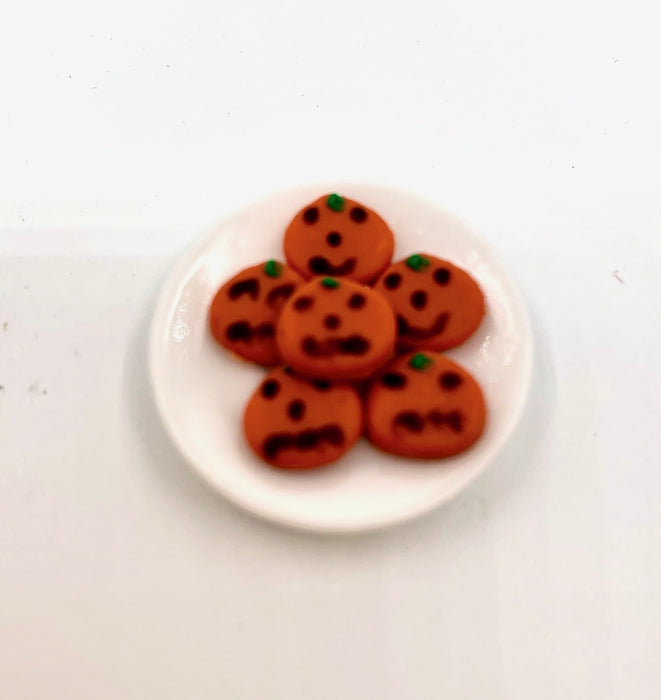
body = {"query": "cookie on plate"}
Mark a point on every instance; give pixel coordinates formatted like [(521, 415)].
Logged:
[(244, 311), (336, 329), (296, 423), (424, 405), (437, 304), (338, 237)]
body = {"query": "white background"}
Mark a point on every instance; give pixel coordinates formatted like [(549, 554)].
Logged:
[(124, 129)]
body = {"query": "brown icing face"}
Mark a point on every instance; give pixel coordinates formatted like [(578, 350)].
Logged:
[(437, 304), (424, 405), (338, 237), (294, 423), (336, 329), (245, 310)]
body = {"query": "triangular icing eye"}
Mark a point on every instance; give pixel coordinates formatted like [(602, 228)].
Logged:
[(442, 276), (247, 286), (356, 301), (418, 299), (393, 280), (270, 388), (334, 239), (311, 215), (335, 202), (303, 303), (280, 293), (449, 380), (420, 361), (358, 214), (394, 380), (296, 409)]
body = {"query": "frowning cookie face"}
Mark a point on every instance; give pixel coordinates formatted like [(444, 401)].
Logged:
[(294, 423), (245, 310), (336, 329), (437, 304), (338, 237), (424, 405)]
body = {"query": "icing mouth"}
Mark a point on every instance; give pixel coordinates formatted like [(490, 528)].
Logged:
[(348, 345), (244, 331), (414, 421), (309, 439), (418, 333), (318, 265)]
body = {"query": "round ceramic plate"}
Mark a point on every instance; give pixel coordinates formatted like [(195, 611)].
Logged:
[(201, 390)]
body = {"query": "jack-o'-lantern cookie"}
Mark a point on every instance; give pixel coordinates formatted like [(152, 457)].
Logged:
[(338, 237), (296, 423), (424, 405), (336, 329), (437, 304), (245, 310)]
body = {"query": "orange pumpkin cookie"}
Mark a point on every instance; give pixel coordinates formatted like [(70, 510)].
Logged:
[(336, 329), (245, 310), (437, 304), (338, 237), (424, 405), (295, 423)]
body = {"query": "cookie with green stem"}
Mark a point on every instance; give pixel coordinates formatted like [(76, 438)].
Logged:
[(437, 304), (296, 423), (336, 329), (424, 405), (338, 237), (245, 310)]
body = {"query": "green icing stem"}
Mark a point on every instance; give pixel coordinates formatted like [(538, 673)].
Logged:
[(417, 262), (420, 361), (273, 268), (335, 202), (330, 282)]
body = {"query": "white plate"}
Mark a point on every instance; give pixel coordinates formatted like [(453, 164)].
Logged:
[(201, 390)]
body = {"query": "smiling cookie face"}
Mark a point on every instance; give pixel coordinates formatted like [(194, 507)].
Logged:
[(437, 304), (294, 423), (338, 237), (424, 405), (245, 310), (336, 329)]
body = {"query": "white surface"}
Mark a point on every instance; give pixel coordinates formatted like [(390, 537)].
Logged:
[(201, 391), (121, 574)]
